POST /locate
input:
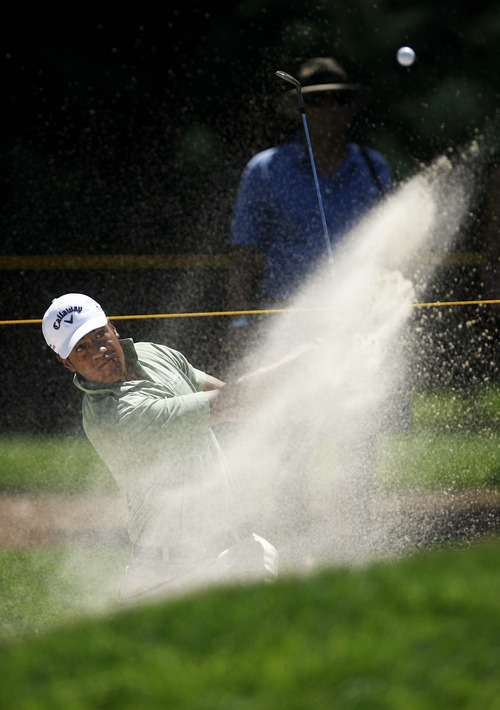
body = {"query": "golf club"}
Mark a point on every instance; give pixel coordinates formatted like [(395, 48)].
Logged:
[(292, 80)]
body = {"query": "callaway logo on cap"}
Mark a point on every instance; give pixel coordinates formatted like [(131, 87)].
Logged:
[(68, 319)]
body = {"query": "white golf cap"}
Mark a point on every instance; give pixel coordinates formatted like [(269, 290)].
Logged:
[(68, 319)]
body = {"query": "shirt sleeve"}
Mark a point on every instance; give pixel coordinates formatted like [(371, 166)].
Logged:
[(147, 419)]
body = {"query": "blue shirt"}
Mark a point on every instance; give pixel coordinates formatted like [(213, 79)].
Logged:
[(277, 212)]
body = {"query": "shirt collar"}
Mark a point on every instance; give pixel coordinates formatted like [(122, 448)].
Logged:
[(303, 155)]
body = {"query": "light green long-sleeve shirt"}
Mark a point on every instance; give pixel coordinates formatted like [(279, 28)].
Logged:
[(154, 435)]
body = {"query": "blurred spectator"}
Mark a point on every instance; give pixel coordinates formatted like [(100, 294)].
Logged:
[(277, 237)]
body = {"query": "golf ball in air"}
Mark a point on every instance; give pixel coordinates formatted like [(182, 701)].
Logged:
[(406, 56)]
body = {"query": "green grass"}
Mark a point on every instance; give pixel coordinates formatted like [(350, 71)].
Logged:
[(454, 442), (51, 464), (444, 409), (47, 586), (421, 633), (448, 409), (440, 460)]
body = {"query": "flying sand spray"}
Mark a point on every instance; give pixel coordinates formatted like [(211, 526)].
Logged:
[(304, 466), (306, 463)]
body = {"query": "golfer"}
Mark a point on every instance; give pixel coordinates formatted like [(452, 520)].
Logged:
[(148, 413)]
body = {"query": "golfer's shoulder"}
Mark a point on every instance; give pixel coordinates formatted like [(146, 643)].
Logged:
[(161, 359), (155, 351)]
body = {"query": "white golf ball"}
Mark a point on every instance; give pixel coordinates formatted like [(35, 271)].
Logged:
[(406, 56)]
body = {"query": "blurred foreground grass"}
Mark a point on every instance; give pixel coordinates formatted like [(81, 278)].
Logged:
[(421, 633)]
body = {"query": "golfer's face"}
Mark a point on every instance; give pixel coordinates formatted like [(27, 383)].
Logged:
[(99, 357)]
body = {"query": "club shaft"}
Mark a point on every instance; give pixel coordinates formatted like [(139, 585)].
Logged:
[(316, 182), (292, 80)]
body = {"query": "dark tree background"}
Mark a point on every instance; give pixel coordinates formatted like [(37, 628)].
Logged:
[(126, 130)]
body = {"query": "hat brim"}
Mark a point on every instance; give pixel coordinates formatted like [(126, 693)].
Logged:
[(98, 321), (330, 87)]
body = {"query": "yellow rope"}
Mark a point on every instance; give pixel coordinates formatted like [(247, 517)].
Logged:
[(247, 313)]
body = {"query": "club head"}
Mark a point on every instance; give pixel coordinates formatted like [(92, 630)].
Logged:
[(288, 77)]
